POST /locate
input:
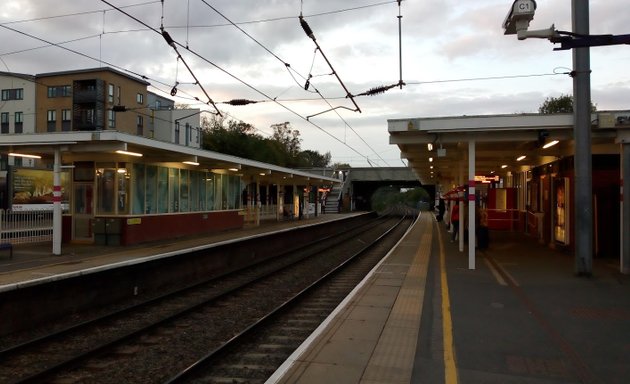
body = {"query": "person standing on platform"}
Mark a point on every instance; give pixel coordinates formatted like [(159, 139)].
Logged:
[(483, 237), (455, 221), (441, 209)]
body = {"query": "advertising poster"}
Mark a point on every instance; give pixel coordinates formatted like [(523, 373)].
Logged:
[(32, 189), (560, 212)]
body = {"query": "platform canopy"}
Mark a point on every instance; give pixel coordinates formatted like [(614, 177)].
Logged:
[(436, 148), (116, 146)]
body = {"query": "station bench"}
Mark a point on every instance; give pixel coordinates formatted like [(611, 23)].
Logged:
[(7, 246)]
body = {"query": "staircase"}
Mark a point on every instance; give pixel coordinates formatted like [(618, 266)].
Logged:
[(332, 200)]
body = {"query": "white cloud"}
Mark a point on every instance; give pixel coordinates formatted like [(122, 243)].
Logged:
[(442, 40)]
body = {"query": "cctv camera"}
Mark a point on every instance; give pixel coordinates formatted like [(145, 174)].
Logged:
[(519, 16)]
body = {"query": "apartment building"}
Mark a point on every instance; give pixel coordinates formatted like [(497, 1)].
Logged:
[(91, 100), (174, 125), (17, 110)]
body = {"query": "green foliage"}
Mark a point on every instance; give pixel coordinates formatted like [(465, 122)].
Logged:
[(341, 166), (240, 139), (315, 159), (389, 197), (561, 104)]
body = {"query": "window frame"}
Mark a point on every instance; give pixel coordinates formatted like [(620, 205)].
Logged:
[(111, 118), (110, 92), (55, 91), (12, 94)]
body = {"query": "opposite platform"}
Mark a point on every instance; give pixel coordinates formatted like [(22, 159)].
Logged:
[(35, 264)]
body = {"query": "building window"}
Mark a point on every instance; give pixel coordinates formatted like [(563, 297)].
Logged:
[(105, 183), (140, 98), (4, 122), (118, 95), (52, 120), (66, 120), (13, 94), (60, 91), (110, 93), (111, 119), (139, 125), (19, 122)]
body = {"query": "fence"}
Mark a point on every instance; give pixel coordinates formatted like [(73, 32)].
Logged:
[(23, 227)]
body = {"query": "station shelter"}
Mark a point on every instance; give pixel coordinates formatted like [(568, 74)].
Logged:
[(520, 168), (109, 187)]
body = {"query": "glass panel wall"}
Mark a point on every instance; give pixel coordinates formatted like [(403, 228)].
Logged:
[(138, 178), (123, 175), (183, 190), (162, 190), (126, 188), (106, 184), (173, 181), (151, 189)]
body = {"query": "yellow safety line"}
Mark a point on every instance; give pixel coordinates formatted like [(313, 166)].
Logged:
[(450, 369)]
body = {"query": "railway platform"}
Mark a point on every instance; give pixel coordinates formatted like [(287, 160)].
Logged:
[(422, 316), (30, 262), (521, 316)]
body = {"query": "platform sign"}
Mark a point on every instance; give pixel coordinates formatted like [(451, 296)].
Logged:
[(487, 179)]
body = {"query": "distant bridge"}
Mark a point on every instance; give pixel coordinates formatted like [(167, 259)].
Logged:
[(361, 183)]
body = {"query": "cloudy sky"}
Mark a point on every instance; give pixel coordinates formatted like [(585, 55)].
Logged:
[(455, 59)]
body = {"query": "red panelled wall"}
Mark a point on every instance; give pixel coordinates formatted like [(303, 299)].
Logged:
[(160, 227), (151, 228)]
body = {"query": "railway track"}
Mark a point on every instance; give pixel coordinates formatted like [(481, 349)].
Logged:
[(169, 333), (253, 355)]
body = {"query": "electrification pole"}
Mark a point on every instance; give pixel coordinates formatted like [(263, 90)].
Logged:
[(582, 135)]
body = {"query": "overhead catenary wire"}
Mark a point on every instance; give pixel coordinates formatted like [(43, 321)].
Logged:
[(502, 77), (77, 13), (338, 11), (238, 79), (309, 32), (60, 45), (307, 84), (169, 40)]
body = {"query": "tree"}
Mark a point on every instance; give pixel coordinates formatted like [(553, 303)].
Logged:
[(341, 166), (560, 104), (314, 159), (287, 137), (240, 139)]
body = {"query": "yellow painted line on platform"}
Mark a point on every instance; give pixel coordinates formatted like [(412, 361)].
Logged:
[(450, 368)]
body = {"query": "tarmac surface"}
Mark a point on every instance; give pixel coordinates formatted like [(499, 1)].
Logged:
[(521, 316)]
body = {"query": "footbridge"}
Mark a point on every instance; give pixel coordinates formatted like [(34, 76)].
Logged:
[(359, 184)]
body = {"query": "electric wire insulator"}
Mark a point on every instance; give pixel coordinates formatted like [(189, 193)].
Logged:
[(169, 40), (306, 28), (375, 91), (239, 102)]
